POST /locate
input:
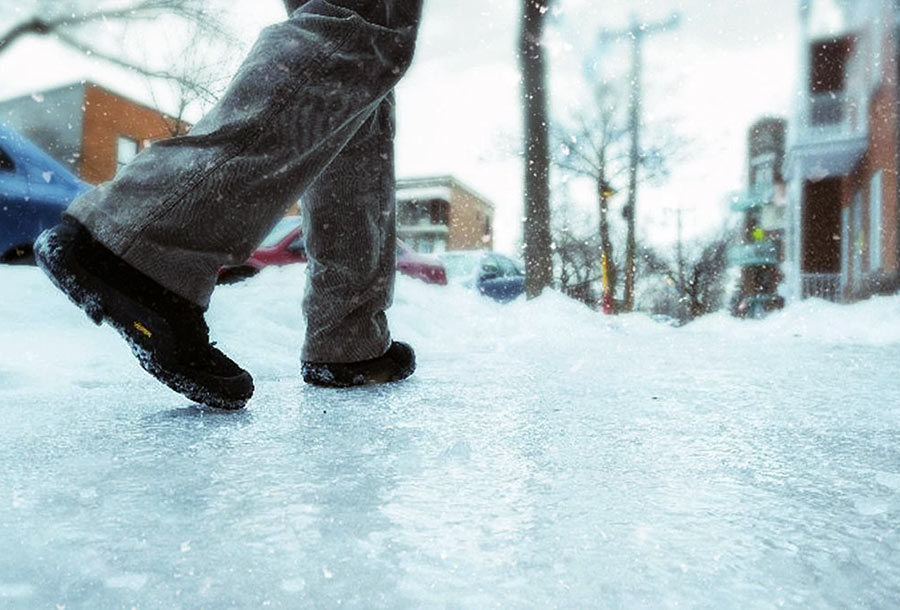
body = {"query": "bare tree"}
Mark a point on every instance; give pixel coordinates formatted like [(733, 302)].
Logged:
[(72, 22), (698, 280), (201, 69), (577, 268), (538, 253), (585, 148), (704, 284), (594, 144)]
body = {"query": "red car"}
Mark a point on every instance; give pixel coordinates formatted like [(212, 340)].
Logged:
[(284, 246)]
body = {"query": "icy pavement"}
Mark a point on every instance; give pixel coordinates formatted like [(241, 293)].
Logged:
[(543, 456)]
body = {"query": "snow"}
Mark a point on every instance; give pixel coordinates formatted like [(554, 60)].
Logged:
[(425, 192), (542, 456)]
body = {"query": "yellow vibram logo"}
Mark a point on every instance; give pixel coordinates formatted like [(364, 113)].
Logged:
[(143, 330)]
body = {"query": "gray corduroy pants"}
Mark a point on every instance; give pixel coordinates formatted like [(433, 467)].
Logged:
[(309, 113)]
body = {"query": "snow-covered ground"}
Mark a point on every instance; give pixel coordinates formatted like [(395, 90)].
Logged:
[(543, 456)]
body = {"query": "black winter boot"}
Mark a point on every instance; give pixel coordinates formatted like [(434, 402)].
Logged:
[(397, 363), (166, 332)]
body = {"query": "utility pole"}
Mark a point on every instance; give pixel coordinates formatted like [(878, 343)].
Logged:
[(681, 283), (681, 280), (680, 250), (638, 33)]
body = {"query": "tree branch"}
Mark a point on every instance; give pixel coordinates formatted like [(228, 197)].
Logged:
[(35, 26), (189, 10), (122, 63)]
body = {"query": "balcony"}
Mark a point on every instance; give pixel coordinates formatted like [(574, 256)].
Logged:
[(833, 116), (756, 197), (831, 137), (755, 254)]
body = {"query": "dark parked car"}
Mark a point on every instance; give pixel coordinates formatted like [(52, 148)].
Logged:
[(491, 274), (34, 190), (284, 245)]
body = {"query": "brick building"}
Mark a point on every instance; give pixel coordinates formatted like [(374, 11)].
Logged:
[(440, 213), (761, 249), (843, 153), (95, 131), (88, 128)]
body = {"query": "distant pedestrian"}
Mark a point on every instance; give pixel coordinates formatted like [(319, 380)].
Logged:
[(310, 112)]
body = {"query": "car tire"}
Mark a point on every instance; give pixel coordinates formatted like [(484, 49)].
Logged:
[(19, 255)]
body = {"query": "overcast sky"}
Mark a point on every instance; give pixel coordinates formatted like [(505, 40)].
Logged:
[(729, 62)]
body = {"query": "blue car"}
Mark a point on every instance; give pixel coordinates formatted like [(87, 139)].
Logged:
[(491, 274), (34, 190)]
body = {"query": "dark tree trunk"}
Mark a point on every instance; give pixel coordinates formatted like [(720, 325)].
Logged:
[(538, 254)]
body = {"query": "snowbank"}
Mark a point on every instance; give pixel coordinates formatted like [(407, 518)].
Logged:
[(259, 322), (872, 322)]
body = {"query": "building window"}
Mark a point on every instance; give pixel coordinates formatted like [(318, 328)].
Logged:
[(875, 211), (877, 50), (126, 150), (440, 212), (762, 170), (764, 175)]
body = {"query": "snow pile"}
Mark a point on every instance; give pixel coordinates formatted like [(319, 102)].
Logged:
[(44, 340), (260, 323), (872, 322)]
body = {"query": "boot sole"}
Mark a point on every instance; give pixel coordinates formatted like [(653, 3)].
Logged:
[(86, 291), (320, 375), (363, 380)]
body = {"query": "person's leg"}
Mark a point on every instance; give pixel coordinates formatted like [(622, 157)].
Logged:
[(186, 206), (348, 218), (142, 252)]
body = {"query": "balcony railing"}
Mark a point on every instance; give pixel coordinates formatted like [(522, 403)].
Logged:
[(833, 115), (755, 254), (423, 228), (821, 286), (827, 109)]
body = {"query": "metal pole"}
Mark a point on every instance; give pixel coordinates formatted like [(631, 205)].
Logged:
[(680, 250)]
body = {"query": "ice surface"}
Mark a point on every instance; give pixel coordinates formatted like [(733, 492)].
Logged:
[(543, 456)]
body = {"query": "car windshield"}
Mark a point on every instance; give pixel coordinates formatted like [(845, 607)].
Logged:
[(508, 267), (459, 266), (284, 226)]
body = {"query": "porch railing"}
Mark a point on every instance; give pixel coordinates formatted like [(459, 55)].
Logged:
[(822, 286)]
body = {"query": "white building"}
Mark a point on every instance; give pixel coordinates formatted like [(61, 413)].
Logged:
[(843, 153)]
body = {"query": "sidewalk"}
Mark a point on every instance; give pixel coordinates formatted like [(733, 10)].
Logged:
[(544, 456)]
